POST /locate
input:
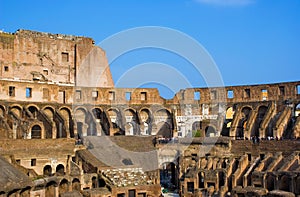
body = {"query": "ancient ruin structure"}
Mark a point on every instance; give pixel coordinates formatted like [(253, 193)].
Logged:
[(67, 132)]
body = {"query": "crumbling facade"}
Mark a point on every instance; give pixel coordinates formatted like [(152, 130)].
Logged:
[(51, 105)]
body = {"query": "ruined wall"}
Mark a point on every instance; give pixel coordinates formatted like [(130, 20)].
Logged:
[(35, 56)]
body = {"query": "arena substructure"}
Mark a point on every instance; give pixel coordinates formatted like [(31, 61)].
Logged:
[(59, 136)]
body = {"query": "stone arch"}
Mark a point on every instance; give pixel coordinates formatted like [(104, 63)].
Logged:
[(60, 170), (115, 117), (146, 121), (17, 110), (285, 183), (270, 185), (50, 189), (36, 131), (34, 110), (63, 186), (47, 170), (164, 122), (49, 111), (76, 185), (261, 112), (210, 131), (132, 122), (101, 117), (242, 123), (65, 128), (197, 129), (2, 110)]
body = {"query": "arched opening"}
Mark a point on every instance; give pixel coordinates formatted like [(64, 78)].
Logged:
[(94, 182), (227, 122), (2, 111), (33, 112), (80, 117), (270, 182), (47, 171), (16, 111), (50, 189), (49, 112), (65, 126), (63, 186), (116, 120), (36, 132), (60, 170), (129, 129), (210, 131), (242, 124), (285, 183), (101, 118), (168, 175), (262, 110), (197, 129), (76, 185), (164, 122), (146, 119), (47, 118), (132, 121), (201, 178)]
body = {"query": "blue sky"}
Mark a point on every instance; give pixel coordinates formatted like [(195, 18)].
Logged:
[(251, 41)]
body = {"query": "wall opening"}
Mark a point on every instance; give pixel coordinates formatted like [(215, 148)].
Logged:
[(36, 132), (111, 95), (230, 94), (78, 95), (128, 96), (281, 90), (47, 171), (33, 162), (11, 91), (247, 93), (190, 186), (197, 96), (298, 89), (6, 69), (264, 94), (28, 92), (131, 193), (143, 96), (60, 170)]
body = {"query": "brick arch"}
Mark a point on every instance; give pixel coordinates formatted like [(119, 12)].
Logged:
[(63, 186), (101, 117), (69, 121), (2, 110), (34, 127), (132, 121), (33, 105), (76, 184), (18, 107), (146, 122), (51, 109), (210, 129), (116, 122)]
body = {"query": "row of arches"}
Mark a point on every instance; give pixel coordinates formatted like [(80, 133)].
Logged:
[(64, 122), (250, 119)]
